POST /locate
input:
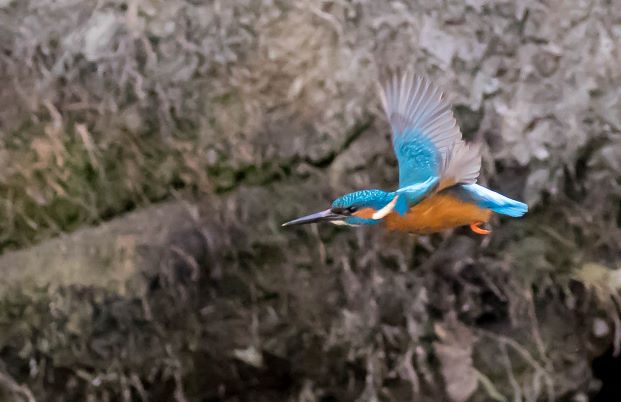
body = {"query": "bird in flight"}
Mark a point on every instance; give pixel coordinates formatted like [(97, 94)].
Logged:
[(437, 169)]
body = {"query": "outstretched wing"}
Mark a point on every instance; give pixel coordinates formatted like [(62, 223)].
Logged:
[(461, 165), (425, 136)]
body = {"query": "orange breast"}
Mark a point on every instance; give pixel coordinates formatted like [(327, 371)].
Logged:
[(436, 213)]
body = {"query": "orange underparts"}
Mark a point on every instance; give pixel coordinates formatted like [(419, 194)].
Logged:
[(437, 213), (366, 213), (479, 230)]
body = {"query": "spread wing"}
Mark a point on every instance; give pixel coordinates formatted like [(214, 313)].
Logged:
[(425, 135)]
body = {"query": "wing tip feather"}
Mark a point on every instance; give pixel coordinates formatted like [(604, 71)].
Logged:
[(462, 163), (419, 112)]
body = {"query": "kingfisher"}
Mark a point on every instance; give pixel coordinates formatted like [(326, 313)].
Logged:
[(438, 170)]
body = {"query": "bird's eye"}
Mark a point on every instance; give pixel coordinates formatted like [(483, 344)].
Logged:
[(352, 209)]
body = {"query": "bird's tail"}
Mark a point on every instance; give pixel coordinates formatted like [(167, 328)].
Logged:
[(489, 199), (511, 208)]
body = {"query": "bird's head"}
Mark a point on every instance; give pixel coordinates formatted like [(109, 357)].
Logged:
[(365, 207)]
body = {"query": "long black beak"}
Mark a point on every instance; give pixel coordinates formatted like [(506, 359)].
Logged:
[(323, 216)]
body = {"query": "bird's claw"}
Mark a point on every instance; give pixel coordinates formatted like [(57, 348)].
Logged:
[(479, 230)]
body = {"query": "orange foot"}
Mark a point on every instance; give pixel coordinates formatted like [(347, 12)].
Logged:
[(479, 230)]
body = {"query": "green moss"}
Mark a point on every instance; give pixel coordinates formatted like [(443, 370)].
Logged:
[(57, 184)]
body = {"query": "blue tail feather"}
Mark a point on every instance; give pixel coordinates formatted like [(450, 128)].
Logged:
[(492, 200)]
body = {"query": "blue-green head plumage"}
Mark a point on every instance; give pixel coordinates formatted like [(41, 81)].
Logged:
[(357, 208), (349, 204), (375, 199)]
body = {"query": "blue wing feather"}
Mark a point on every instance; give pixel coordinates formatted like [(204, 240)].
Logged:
[(416, 192), (417, 157), (424, 130)]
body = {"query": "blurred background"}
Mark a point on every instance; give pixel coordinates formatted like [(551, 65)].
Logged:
[(150, 150)]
